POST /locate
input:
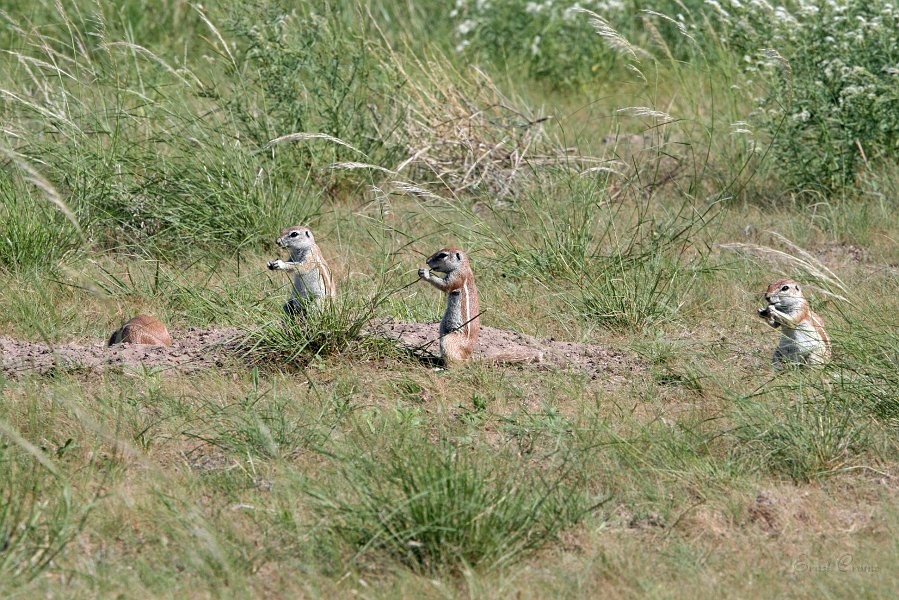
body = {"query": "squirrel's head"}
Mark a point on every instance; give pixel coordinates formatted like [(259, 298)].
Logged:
[(447, 260), (296, 238), (785, 294)]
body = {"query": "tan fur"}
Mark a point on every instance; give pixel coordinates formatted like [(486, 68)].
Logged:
[(142, 329), (316, 258), (803, 340), (312, 277), (327, 279), (461, 321)]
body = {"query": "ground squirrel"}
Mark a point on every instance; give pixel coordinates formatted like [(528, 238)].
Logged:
[(312, 278), (804, 340), (461, 321), (142, 329)]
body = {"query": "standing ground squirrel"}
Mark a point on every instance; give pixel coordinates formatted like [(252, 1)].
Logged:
[(461, 321), (804, 340), (312, 278), (142, 329)]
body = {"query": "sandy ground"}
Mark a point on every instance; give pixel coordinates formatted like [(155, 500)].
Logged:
[(501, 344), (195, 349), (191, 350)]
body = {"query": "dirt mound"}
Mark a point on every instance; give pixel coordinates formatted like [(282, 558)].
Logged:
[(191, 350), (593, 359), (195, 349)]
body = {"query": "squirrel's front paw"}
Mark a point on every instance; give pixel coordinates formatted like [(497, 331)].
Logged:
[(276, 265), (424, 273), (765, 313)]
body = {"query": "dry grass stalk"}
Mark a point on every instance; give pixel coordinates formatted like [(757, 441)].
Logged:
[(472, 137), (795, 258)]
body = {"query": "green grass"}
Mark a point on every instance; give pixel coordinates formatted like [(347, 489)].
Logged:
[(39, 518), (334, 327), (444, 509), (137, 176), (34, 236)]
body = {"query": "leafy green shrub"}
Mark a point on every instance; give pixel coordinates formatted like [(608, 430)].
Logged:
[(547, 39), (833, 107), (314, 68), (435, 508)]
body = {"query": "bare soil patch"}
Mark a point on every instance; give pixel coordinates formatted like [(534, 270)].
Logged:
[(592, 359), (191, 350), (195, 349)]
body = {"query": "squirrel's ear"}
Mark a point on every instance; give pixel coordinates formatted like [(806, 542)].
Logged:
[(458, 256), (308, 234)]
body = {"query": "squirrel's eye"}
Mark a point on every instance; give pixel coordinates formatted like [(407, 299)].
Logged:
[(294, 233), (784, 288)]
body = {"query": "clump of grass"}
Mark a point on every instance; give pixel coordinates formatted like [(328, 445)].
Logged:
[(261, 423), (435, 508), (330, 328), (189, 174), (818, 433), (315, 67), (630, 292), (866, 353), (463, 132), (33, 234), (619, 266)]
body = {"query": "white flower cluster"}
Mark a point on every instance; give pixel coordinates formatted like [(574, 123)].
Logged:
[(475, 15), (840, 28)]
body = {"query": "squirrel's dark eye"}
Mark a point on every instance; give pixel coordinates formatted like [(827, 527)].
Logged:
[(294, 233), (441, 256), (784, 288)]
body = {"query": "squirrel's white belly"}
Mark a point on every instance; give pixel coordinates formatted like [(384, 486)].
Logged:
[(800, 343), (309, 285)]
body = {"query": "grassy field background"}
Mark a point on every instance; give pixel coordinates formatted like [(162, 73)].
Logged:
[(627, 175)]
